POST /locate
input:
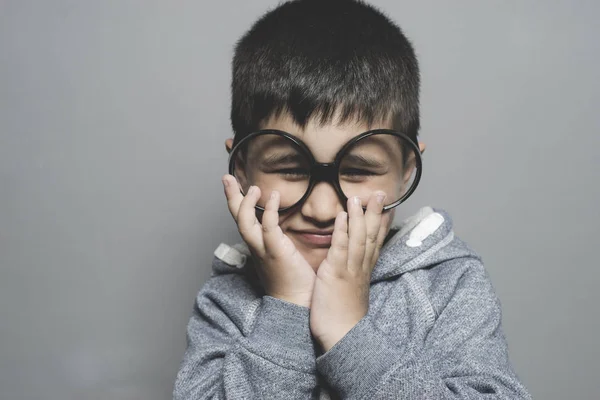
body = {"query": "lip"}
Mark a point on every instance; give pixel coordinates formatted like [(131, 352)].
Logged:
[(318, 238)]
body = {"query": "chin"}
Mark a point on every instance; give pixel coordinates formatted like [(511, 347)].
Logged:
[(315, 256)]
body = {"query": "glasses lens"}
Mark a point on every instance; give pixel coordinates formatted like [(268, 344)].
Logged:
[(272, 162), (380, 162)]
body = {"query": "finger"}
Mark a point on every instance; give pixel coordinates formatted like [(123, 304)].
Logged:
[(337, 255), (233, 195), (356, 234), (248, 225), (373, 225), (272, 233)]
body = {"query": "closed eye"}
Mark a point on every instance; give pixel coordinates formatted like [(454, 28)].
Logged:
[(292, 173), (356, 172)]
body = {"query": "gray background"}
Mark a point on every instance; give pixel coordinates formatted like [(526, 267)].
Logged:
[(112, 121)]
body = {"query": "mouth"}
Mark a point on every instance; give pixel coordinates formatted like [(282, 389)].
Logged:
[(314, 238)]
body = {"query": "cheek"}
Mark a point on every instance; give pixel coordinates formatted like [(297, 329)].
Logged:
[(386, 222), (284, 220), (388, 219)]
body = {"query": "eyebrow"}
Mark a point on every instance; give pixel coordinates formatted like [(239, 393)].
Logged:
[(357, 159), (282, 158)]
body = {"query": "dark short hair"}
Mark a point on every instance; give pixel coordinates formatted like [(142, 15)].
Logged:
[(316, 58)]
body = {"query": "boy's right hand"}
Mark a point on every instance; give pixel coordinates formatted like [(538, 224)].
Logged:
[(283, 271)]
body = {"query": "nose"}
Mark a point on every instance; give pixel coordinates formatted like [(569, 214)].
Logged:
[(323, 204)]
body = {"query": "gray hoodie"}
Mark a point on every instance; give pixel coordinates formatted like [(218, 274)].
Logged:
[(433, 330)]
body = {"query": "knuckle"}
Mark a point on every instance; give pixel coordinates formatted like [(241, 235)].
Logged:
[(266, 228), (372, 237), (342, 245), (245, 232), (293, 251)]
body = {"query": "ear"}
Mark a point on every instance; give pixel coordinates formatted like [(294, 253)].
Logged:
[(240, 172), (410, 167), (228, 145)]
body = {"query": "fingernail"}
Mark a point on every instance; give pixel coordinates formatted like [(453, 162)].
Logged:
[(273, 194), (381, 197), (225, 182), (356, 200), (251, 190)]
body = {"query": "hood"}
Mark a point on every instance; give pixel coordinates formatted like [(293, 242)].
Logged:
[(422, 241)]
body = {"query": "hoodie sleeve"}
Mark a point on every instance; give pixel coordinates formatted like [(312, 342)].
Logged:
[(275, 359), (464, 355)]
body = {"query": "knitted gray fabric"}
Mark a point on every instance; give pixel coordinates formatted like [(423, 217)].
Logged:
[(433, 331)]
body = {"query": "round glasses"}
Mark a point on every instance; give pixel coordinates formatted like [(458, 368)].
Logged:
[(377, 160)]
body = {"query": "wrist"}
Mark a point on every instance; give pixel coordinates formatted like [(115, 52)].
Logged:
[(329, 331), (332, 337)]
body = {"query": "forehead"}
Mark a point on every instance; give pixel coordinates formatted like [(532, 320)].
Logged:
[(324, 141)]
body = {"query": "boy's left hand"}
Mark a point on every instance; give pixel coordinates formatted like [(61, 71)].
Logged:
[(341, 293)]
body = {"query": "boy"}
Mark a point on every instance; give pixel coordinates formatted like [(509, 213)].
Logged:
[(325, 299)]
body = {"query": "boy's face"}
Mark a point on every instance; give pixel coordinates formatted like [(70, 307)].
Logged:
[(310, 225)]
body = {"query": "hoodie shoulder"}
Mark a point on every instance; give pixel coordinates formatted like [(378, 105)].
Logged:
[(453, 269), (422, 241), (232, 275), (427, 248)]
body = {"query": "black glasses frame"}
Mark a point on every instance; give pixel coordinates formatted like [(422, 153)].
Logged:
[(329, 172)]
